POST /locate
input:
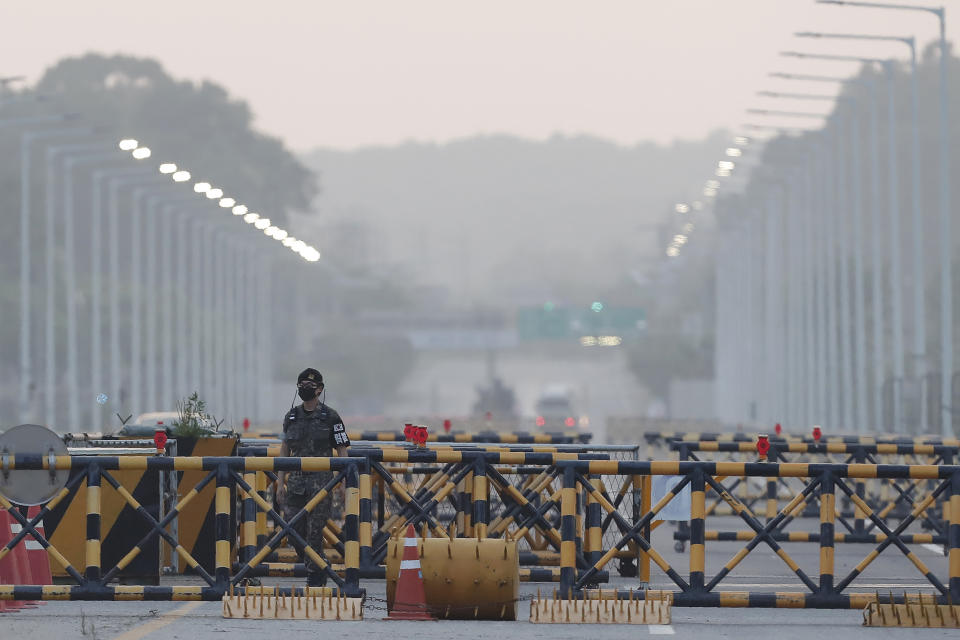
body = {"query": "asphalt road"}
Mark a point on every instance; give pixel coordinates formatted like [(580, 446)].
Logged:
[(761, 571)]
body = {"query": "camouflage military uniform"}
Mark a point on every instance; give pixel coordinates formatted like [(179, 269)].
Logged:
[(307, 434)]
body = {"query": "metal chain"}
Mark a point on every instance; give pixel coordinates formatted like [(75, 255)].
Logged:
[(448, 608)]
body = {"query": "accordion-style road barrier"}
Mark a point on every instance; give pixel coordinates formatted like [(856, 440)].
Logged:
[(822, 482), (563, 501), (891, 497)]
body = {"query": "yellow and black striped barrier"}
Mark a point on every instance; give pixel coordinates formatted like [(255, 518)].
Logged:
[(493, 437), (891, 498), (822, 482), (226, 474), (565, 505)]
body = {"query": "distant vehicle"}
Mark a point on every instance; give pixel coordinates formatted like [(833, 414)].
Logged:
[(555, 408), (496, 401)]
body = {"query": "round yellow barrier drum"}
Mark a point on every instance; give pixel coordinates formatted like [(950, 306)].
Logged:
[(463, 578)]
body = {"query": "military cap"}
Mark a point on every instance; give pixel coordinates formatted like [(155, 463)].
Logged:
[(310, 374)]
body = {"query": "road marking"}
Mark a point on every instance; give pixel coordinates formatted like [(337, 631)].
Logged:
[(661, 629), (937, 549), (158, 623)]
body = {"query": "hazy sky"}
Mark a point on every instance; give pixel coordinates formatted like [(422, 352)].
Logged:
[(354, 72)]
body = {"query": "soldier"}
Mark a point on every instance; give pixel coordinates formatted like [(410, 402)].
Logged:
[(310, 429)]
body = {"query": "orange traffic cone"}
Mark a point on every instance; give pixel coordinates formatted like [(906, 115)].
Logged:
[(11, 566), (37, 558), (409, 601), (21, 561)]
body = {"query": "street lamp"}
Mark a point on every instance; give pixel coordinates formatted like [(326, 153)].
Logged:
[(26, 142), (50, 375), (787, 114), (919, 311), (858, 413), (893, 184), (69, 279), (877, 251), (946, 277)]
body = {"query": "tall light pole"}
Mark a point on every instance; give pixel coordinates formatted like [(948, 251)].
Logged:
[(877, 251), (69, 271), (919, 278), (773, 314), (117, 180), (893, 208), (855, 413), (879, 369), (27, 141), (50, 374), (946, 277)]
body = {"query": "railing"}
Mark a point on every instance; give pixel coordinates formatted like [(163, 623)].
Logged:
[(888, 496), (562, 497), (822, 482), (227, 474)]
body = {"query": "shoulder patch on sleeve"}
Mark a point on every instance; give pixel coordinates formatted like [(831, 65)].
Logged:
[(338, 428)]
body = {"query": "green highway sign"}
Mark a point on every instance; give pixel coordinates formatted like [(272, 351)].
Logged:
[(554, 322)]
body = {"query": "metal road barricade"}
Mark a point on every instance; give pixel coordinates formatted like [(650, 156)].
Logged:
[(890, 497), (92, 581), (401, 491), (662, 439), (562, 498), (821, 481), (492, 437)]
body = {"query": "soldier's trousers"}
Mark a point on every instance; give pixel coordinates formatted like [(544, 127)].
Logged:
[(309, 527)]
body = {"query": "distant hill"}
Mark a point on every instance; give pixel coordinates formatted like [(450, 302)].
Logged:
[(499, 219)]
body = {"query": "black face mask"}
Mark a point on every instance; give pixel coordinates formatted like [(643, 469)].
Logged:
[(306, 393)]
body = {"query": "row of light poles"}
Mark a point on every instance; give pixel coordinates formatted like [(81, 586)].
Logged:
[(178, 295), (814, 365)]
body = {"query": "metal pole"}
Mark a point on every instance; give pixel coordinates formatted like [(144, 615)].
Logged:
[(800, 380), (219, 336), (50, 379), (208, 298), (825, 380), (96, 330), (812, 396), (842, 243), (229, 370), (113, 260), (859, 311), (790, 380), (919, 277), (833, 319), (876, 279), (26, 358), (240, 334), (774, 359), (181, 386), (70, 287), (197, 267), (152, 290), (742, 328), (136, 286), (946, 238), (166, 289), (896, 280), (266, 329)]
